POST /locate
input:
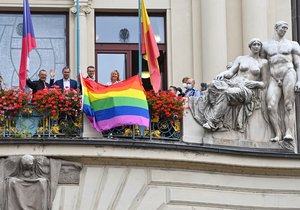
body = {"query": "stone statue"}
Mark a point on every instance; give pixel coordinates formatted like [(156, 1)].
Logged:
[(232, 96), (283, 56), (27, 187), (30, 182)]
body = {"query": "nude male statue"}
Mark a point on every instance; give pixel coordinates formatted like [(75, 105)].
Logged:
[(284, 61)]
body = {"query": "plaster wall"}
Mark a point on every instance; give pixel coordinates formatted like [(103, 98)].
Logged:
[(202, 35), (148, 188), (144, 178)]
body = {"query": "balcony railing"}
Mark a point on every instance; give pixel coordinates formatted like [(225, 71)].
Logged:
[(56, 113), (163, 130), (29, 122)]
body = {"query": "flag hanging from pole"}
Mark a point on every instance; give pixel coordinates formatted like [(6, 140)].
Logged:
[(150, 49), (28, 43)]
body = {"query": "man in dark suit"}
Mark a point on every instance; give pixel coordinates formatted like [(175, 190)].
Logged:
[(66, 83), (90, 75), (41, 83), (90, 72)]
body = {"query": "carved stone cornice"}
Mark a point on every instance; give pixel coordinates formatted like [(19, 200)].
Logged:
[(82, 9)]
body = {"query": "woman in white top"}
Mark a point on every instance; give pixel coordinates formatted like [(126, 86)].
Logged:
[(114, 77)]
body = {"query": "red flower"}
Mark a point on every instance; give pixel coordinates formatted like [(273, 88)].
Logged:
[(13, 100), (58, 102), (165, 105)]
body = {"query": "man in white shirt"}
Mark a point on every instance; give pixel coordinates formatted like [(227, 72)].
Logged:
[(66, 83), (91, 72)]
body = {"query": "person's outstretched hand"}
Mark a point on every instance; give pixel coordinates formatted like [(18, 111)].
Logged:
[(52, 73)]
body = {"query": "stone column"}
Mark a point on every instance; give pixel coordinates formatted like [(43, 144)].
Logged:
[(279, 10), (84, 11), (255, 21), (196, 42), (86, 22), (214, 38), (234, 29)]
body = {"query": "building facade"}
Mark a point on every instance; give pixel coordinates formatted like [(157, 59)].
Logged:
[(196, 38)]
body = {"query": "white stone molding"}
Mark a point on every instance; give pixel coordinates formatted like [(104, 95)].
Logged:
[(82, 9)]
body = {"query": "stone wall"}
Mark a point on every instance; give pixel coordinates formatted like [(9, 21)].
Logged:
[(202, 35), (144, 176), (149, 188)]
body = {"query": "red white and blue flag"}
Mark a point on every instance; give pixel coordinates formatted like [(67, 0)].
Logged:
[(28, 43)]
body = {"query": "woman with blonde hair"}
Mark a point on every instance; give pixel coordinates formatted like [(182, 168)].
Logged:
[(114, 77)]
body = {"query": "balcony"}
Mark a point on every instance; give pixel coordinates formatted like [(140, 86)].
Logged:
[(31, 123), (56, 114), (53, 116)]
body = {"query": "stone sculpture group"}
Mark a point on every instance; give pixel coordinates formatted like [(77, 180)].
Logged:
[(267, 78)]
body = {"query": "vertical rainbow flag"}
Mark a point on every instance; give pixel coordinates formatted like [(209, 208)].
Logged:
[(28, 43), (150, 49), (120, 104)]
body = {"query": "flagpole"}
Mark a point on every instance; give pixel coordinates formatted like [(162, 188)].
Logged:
[(140, 34), (79, 79), (77, 38), (140, 60), (26, 43)]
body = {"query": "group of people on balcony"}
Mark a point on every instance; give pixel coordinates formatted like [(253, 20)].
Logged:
[(66, 82), (272, 67), (188, 85), (114, 75), (40, 84)]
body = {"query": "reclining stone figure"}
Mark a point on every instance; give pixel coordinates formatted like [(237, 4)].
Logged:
[(232, 96)]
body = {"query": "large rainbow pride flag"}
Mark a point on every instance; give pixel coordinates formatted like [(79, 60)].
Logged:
[(120, 104)]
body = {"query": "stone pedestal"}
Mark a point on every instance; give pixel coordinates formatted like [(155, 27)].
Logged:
[(256, 135), (192, 131), (88, 130)]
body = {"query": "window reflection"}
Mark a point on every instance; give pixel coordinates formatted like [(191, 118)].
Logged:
[(107, 62), (50, 33), (124, 29)]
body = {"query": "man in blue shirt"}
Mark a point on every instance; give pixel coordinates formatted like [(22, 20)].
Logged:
[(191, 91)]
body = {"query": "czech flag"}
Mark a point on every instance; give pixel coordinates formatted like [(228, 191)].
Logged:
[(150, 49), (28, 43)]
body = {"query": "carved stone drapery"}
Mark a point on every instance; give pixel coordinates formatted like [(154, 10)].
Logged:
[(28, 181)]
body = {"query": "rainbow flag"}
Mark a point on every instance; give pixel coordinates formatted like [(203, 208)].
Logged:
[(120, 104)]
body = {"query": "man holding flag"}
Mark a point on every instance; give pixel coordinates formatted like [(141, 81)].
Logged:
[(28, 43)]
